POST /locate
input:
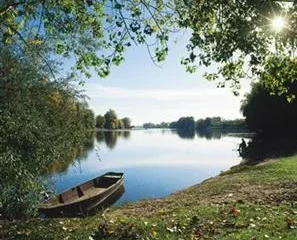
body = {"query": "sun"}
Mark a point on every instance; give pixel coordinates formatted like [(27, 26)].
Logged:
[(278, 24)]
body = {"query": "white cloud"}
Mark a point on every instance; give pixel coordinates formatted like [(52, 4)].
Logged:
[(98, 91), (162, 104)]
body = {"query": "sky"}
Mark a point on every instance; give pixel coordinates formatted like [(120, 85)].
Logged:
[(140, 90)]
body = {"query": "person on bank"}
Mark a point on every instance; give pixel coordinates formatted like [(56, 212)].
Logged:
[(242, 148)]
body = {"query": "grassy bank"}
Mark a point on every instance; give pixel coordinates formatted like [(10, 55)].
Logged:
[(246, 202)]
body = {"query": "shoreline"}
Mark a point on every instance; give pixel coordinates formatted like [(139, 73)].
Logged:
[(217, 208)]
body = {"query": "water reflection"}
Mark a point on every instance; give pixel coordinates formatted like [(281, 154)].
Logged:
[(110, 137), (213, 134), (80, 154), (155, 162), (186, 133), (100, 136), (126, 134)]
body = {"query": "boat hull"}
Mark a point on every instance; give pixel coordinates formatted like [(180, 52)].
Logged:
[(84, 207)]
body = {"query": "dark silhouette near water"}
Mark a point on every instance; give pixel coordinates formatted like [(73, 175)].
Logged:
[(259, 149), (242, 148)]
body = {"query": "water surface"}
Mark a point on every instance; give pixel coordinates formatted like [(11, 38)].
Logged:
[(156, 163)]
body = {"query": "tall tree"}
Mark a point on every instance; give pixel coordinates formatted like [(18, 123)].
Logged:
[(110, 119), (127, 122), (39, 120), (120, 124), (186, 124), (271, 114), (100, 121)]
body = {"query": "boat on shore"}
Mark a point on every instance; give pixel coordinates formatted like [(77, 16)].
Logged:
[(81, 199)]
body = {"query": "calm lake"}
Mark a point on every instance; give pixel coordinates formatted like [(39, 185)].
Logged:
[(156, 163)]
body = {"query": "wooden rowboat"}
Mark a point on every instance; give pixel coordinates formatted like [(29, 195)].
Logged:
[(81, 199)]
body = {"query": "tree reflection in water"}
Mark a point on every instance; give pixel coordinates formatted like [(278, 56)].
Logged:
[(78, 154), (110, 137), (211, 134), (186, 133)]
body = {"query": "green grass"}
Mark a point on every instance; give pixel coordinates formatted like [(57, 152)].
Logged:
[(246, 202)]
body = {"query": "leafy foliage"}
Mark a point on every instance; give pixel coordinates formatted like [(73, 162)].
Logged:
[(158, 125), (280, 76), (100, 121), (186, 123), (236, 36), (267, 113), (216, 123), (96, 33), (39, 120), (110, 121), (126, 122)]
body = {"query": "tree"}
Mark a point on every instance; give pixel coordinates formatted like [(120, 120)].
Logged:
[(127, 122), (149, 125), (100, 121), (270, 114), (172, 125), (186, 123), (39, 120), (203, 124), (83, 28), (164, 125), (110, 119), (120, 124), (237, 36)]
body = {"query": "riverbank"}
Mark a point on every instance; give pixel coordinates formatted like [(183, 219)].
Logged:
[(246, 202)]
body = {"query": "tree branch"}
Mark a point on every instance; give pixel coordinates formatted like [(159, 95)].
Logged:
[(5, 10), (37, 52), (13, 5), (41, 16), (127, 27)]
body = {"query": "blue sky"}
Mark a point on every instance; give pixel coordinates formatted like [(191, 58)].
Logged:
[(146, 93)]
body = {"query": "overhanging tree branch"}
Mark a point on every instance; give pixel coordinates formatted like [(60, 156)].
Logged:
[(14, 5), (37, 52)]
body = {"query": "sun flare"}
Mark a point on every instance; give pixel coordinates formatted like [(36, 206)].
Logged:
[(278, 23)]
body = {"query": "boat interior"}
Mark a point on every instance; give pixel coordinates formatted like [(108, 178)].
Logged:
[(87, 189)]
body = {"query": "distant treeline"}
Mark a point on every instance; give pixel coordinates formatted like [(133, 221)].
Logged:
[(207, 124), (110, 120), (158, 125), (218, 123)]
